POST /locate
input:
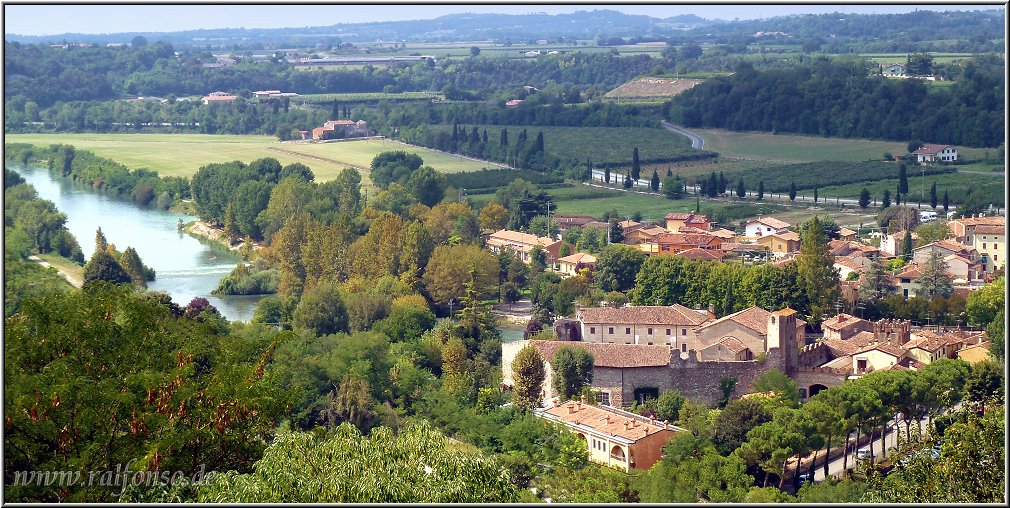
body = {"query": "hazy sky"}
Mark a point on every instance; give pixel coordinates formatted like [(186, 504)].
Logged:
[(58, 19)]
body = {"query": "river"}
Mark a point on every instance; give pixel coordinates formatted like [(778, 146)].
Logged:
[(186, 267)]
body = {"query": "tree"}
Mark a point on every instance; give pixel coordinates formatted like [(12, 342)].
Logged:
[(616, 231), (668, 405), (130, 262), (935, 280), (932, 195), (636, 168), (673, 187), (815, 194), (416, 465), (741, 192), (654, 183), (983, 305), (572, 370), (781, 385), (474, 51), (897, 196), (528, 378), (874, 283), (792, 191), (722, 183), (735, 421), (886, 201), (101, 244), (503, 140), (103, 266), (493, 217), (449, 267), (544, 226), (231, 231), (427, 185), (712, 187), (138, 42), (394, 166), (618, 266), (818, 276), (946, 201), (761, 190), (903, 177), (906, 246), (606, 174), (627, 180), (321, 311), (864, 198)]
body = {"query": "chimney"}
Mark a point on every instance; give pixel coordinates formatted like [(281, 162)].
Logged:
[(571, 408), (582, 399), (554, 401), (579, 406), (627, 424), (711, 311)]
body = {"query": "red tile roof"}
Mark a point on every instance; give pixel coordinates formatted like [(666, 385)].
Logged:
[(607, 421), (684, 239), (619, 356), (884, 347), (990, 229), (675, 314), (771, 222), (992, 220), (701, 254), (839, 321), (578, 257), (731, 343)]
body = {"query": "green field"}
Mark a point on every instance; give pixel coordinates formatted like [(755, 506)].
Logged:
[(602, 145), (956, 184), (797, 148), (325, 98), (183, 154)]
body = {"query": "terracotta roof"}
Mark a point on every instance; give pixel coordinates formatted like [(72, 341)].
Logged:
[(850, 262), (743, 247), (901, 234), (606, 421), (679, 216), (841, 361), (846, 247), (619, 356), (911, 271), (949, 245), (692, 229), (684, 239), (572, 220), (911, 363), (505, 235), (625, 224), (578, 257), (771, 222), (651, 230), (990, 229), (754, 318), (722, 233), (675, 314), (884, 347), (788, 235), (702, 254), (930, 149), (731, 343), (845, 232), (992, 220), (839, 321)]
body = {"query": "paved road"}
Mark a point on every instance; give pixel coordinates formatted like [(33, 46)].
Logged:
[(895, 428), (697, 142)]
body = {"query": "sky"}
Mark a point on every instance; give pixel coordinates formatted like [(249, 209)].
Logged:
[(37, 19)]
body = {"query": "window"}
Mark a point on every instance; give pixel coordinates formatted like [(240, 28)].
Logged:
[(650, 331), (683, 331), (611, 330), (603, 398), (627, 331), (592, 329), (983, 245), (683, 348), (668, 331), (861, 365)]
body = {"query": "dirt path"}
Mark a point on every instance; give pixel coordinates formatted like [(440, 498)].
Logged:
[(74, 281)]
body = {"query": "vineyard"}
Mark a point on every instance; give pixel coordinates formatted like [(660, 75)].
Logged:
[(808, 175), (487, 181), (652, 88)]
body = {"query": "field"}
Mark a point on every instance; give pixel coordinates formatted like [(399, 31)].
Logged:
[(327, 98), (794, 148), (956, 184), (653, 88), (602, 145), (183, 154)]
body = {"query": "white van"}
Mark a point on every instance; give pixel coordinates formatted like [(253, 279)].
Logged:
[(929, 216), (863, 453)]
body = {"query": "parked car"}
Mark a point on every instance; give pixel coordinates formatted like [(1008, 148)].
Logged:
[(862, 453)]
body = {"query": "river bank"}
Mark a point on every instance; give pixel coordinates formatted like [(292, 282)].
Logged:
[(203, 229)]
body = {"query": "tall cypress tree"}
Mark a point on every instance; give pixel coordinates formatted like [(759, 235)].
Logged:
[(902, 179), (504, 139), (483, 136), (540, 142), (589, 169), (946, 201), (741, 192), (654, 184), (815, 194), (792, 191), (606, 174), (636, 168), (897, 195), (864, 198), (335, 111), (817, 273), (722, 183), (906, 246), (886, 202), (932, 196), (713, 185), (627, 180), (761, 190), (100, 242)]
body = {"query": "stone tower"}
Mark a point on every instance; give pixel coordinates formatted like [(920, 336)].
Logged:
[(782, 336)]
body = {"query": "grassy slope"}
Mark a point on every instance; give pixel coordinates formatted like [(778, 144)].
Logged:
[(74, 270), (956, 184), (183, 154)]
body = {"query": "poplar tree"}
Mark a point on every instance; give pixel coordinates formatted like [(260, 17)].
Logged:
[(818, 275), (528, 378), (231, 231)]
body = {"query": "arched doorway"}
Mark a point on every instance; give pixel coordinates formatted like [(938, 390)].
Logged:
[(617, 453), (814, 389)]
